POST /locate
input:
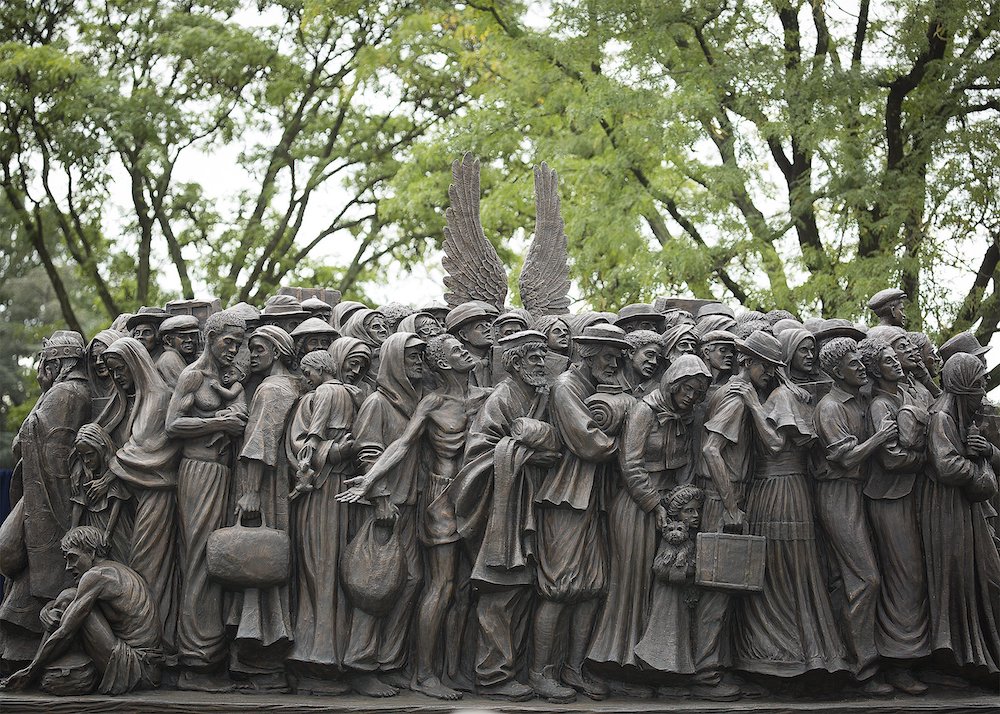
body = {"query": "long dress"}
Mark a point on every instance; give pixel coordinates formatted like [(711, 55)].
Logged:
[(657, 453), (789, 628)]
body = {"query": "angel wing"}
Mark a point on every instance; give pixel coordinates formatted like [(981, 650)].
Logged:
[(545, 276), (474, 270)]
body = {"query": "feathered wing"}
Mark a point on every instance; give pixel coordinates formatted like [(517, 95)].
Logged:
[(474, 270), (545, 275)]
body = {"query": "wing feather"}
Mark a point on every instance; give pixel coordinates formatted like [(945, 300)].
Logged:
[(544, 279)]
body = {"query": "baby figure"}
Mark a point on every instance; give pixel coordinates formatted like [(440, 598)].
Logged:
[(230, 385), (674, 560)]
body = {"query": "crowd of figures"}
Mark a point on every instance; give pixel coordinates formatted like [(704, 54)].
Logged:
[(323, 499)]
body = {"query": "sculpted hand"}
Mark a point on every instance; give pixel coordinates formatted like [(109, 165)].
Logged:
[(249, 503), (347, 449), (358, 490), (978, 445), (18, 680), (749, 393), (427, 405), (733, 517), (661, 517), (386, 512), (887, 431)]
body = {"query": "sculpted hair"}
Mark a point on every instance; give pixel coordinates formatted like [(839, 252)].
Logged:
[(437, 350), (680, 495), (870, 351), (219, 321), (85, 538), (320, 360), (507, 357), (833, 352), (588, 351), (640, 338)]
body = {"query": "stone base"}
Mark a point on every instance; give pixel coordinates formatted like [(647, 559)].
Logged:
[(194, 703)]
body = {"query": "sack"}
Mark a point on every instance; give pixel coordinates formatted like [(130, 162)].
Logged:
[(912, 424), (242, 557), (73, 674), (730, 561), (372, 571)]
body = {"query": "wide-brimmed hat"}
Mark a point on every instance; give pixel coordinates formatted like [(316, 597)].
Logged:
[(715, 308), (314, 326), (638, 311), (884, 297), (147, 316), (762, 346), (467, 312), (180, 323), (963, 342), (838, 327), (282, 306), (603, 334)]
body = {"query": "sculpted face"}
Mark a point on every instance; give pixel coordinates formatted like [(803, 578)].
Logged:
[(804, 357), (186, 343), (89, 456), (531, 368), (688, 393), (354, 367), (146, 334), (96, 359), (720, 356), (687, 345), (890, 370), (507, 328), (761, 373), (558, 337), (932, 360), (120, 372), (377, 327), (905, 353), (427, 327), (262, 354), (314, 343), (226, 344), (852, 371), (604, 365), (312, 376), (644, 360), (458, 358), (78, 562), (690, 515), (896, 312), (477, 334), (413, 362), (641, 323)]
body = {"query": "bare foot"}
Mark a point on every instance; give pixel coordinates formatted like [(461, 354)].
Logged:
[(372, 686), (397, 678), (432, 687), (459, 681)]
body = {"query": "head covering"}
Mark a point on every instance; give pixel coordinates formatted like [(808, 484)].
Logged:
[(790, 341), (638, 311), (601, 334), (249, 313), (674, 334), (467, 312), (511, 316), (546, 322), (714, 321), (889, 333), (838, 327), (95, 436), (343, 310), (281, 340), (313, 326), (581, 321), (179, 323), (355, 327), (762, 346), (521, 338), (963, 342), (717, 336), (884, 297), (64, 344), (98, 387), (347, 347), (961, 376), (314, 304), (146, 316), (392, 381), (686, 366), (786, 324), (144, 376), (750, 316), (715, 308)]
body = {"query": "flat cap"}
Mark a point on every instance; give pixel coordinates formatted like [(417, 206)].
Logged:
[(180, 323), (884, 297), (468, 311)]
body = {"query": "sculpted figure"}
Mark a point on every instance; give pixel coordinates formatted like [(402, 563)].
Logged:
[(146, 463), (261, 618), (98, 497), (353, 359), (110, 612), (379, 647), (394, 313), (963, 342), (639, 316), (931, 360), (283, 311), (892, 491), (180, 340), (318, 309), (909, 359), (508, 323), (736, 427), (572, 539), (889, 307), (144, 326), (507, 450), (718, 350), (370, 327), (41, 488), (342, 312), (642, 362), (472, 324), (102, 387), (963, 566), (675, 316), (679, 340), (848, 444), (789, 628), (423, 324), (204, 423), (319, 438), (800, 348), (658, 455), (311, 335)]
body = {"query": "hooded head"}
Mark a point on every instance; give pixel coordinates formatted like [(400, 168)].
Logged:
[(368, 326), (351, 359), (147, 384), (392, 381), (791, 340)]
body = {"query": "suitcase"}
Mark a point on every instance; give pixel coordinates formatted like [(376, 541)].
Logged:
[(733, 562)]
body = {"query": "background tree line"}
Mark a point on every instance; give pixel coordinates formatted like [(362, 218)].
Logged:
[(797, 155)]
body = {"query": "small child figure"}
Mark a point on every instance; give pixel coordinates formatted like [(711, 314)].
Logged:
[(318, 374), (230, 385), (674, 561)]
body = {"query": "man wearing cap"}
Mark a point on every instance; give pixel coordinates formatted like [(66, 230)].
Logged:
[(572, 541), (144, 325), (42, 449), (507, 324), (283, 311), (888, 306), (718, 351), (312, 335), (379, 647), (639, 316), (847, 443), (318, 309), (963, 342), (472, 323), (180, 338), (494, 505), (735, 426), (641, 372)]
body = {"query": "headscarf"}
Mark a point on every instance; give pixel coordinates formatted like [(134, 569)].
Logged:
[(409, 323), (148, 455), (280, 339), (962, 394), (713, 322), (790, 340), (392, 381), (659, 400), (98, 387), (673, 335), (345, 348), (342, 311), (355, 327)]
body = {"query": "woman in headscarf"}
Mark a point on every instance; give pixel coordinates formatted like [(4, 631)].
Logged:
[(370, 327), (963, 564), (657, 456), (352, 359), (423, 324), (147, 462), (679, 340), (342, 311), (319, 439), (262, 618), (100, 499), (788, 629), (102, 387)]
